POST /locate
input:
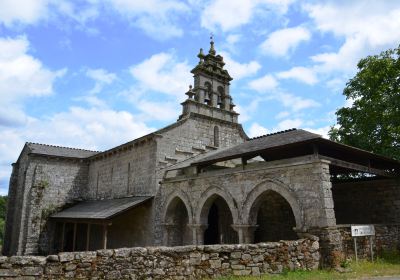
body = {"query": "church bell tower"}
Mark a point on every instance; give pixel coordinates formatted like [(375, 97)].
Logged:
[(210, 94)]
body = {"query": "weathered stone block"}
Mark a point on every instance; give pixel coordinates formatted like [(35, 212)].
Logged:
[(53, 269), (236, 255), (32, 271), (52, 258), (9, 272), (67, 256), (215, 263)]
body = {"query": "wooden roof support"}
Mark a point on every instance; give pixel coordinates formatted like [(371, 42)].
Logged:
[(357, 167)]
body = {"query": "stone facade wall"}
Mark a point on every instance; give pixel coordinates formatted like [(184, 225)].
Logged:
[(123, 173), (187, 262), (193, 136), (15, 202), (367, 202), (387, 238), (44, 186), (303, 182)]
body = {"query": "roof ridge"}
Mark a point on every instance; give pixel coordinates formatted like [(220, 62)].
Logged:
[(63, 147), (273, 133)]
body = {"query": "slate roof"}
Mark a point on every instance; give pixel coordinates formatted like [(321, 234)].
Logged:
[(101, 209), (268, 141), (49, 150), (288, 143)]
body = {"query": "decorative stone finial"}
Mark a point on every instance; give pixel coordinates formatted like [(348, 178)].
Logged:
[(190, 92), (201, 56), (212, 50)]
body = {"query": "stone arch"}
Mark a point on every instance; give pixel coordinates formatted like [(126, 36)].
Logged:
[(279, 188), (177, 219), (221, 90), (207, 196), (185, 200), (208, 92)]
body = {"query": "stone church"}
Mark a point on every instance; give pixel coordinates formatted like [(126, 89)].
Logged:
[(200, 180)]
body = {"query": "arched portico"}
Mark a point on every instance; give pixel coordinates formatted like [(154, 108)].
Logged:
[(216, 212), (205, 198), (177, 219), (217, 217), (272, 211)]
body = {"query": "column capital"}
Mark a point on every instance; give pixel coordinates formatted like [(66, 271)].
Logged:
[(245, 232), (198, 226), (169, 225), (248, 227)]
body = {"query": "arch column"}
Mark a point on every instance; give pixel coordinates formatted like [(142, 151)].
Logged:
[(245, 233), (197, 233), (168, 227)]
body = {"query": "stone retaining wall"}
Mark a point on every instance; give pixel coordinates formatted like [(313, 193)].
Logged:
[(185, 262), (387, 238)]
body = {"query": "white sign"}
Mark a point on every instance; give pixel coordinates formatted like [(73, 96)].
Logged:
[(365, 230)]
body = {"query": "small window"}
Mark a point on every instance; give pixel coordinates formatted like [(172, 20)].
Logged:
[(216, 136)]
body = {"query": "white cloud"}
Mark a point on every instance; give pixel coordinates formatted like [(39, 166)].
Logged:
[(257, 130), (230, 14), (86, 11), (166, 111), (20, 73), (101, 77), (366, 27), (163, 73), (13, 12), (21, 76), (268, 85), (77, 127), (282, 115), (233, 38), (281, 42), (323, 131), (288, 124), (240, 70), (296, 103), (264, 84), (302, 74), (153, 16), (22, 11)]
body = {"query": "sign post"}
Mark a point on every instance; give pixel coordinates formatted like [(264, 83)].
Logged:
[(363, 230)]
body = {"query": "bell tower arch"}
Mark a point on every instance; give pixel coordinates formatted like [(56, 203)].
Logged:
[(210, 94)]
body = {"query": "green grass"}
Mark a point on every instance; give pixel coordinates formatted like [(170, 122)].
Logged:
[(386, 265)]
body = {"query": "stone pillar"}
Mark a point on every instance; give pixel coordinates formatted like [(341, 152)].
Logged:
[(214, 99), (331, 246), (168, 229), (245, 233), (200, 95), (198, 233), (227, 103)]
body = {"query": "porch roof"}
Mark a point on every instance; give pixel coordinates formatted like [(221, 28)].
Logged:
[(101, 209), (299, 142)]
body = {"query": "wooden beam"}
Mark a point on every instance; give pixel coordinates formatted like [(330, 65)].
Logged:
[(357, 167), (62, 237), (74, 239), (104, 236), (88, 237), (315, 150)]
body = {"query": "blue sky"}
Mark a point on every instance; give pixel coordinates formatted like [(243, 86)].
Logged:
[(93, 74)]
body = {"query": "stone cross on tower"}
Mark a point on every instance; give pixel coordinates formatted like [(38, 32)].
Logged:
[(210, 94)]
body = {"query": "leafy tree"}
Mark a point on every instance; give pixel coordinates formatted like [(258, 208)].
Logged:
[(3, 204), (372, 122)]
